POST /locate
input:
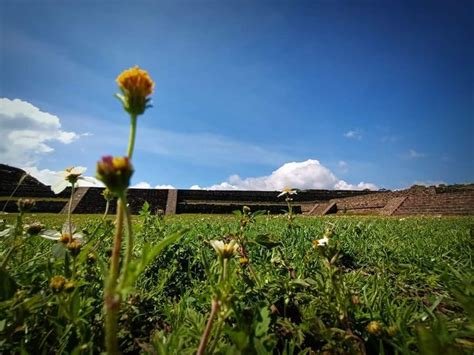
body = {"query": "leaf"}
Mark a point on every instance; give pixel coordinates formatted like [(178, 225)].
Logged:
[(238, 213), (266, 241), (58, 251), (6, 231), (300, 282), (7, 285), (239, 338), (262, 327), (150, 252)]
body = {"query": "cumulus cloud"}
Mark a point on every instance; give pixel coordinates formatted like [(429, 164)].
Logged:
[(26, 132), (430, 183), (147, 185), (354, 134), (309, 174)]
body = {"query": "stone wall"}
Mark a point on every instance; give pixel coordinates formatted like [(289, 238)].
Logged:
[(418, 200), (217, 201), (92, 200)]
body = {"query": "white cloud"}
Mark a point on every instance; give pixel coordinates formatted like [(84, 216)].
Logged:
[(413, 154), (141, 185), (343, 166), (354, 134), (166, 187), (309, 174), (430, 183), (389, 139), (26, 132), (147, 185)]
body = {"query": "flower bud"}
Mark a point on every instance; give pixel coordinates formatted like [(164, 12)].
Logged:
[(69, 286), (65, 238), (91, 258), (108, 195), (25, 204), (355, 300), (57, 283), (329, 232), (115, 173), (243, 261), (392, 330), (374, 327), (136, 85), (74, 247), (34, 228)]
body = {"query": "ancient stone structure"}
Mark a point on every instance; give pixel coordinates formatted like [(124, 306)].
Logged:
[(418, 200)]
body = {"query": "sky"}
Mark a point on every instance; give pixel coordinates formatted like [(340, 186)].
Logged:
[(248, 95)]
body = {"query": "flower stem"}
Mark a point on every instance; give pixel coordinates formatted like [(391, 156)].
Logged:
[(69, 210), (131, 139), (207, 331), (111, 298), (129, 250), (106, 212)]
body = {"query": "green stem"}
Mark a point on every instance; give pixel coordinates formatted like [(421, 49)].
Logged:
[(111, 298), (131, 139), (69, 210), (106, 212), (207, 332), (129, 250), (7, 256), (225, 270)]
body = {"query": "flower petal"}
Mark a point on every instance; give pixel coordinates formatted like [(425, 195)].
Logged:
[(50, 234), (59, 186)]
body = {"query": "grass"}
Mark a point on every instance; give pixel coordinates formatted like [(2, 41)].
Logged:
[(382, 285)]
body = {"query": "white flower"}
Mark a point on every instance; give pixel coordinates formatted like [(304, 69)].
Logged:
[(68, 176), (287, 191), (321, 242), (225, 250), (67, 234)]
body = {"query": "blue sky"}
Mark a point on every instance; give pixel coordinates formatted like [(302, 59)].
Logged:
[(375, 91)]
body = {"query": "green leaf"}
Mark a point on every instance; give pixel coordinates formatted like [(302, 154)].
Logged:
[(8, 285), (262, 327), (266, 240), (150, 252), (58, 251)]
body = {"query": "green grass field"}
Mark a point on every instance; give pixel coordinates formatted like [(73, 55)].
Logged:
[(381, 285)]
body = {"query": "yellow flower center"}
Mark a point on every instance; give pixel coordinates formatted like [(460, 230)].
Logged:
[(120, 163)]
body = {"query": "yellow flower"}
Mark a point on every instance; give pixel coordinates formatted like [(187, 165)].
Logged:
[(136, 85), (374, 327), (57, 283)]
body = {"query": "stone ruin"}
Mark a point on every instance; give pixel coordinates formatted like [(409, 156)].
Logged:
[(417, 200)]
